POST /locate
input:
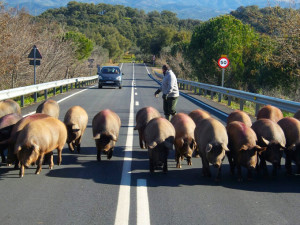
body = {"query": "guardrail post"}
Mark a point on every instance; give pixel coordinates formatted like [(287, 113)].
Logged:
[(242, 104), (22, 101), (229, 100), (61, 89), (211, 95), (195, 90), (46, 94), (219, 97), (205, 92), (71, 86), (35, 96), (54, 91), (67, 88), (257, 106)]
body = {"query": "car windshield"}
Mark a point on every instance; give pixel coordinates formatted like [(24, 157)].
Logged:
[(110, 70)]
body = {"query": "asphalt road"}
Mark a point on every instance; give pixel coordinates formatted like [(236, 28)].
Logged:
[(84, 191)]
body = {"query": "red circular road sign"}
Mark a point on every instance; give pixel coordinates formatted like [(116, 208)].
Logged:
[(223, 62)]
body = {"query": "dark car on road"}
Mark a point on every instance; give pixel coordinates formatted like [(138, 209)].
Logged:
[(110, 76)]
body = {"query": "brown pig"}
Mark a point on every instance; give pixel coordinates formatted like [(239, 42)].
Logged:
[(38, 138), (211, 138), (6, 124), (271, 136), (297, 115), (159, 139), (291, 129), (184, 137), (49, 107), (198, 114), (143, 116), (242, 148), (241, 116), (9, 106), (106, 126), (76, 120), (11, 157), (270, 112)]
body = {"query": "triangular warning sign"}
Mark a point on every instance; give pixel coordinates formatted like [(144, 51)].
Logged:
[(37, 53)]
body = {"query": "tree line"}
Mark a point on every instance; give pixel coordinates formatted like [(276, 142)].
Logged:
[(262, 44)]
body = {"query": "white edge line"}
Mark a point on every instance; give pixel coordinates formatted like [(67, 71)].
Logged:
[(143, 215)]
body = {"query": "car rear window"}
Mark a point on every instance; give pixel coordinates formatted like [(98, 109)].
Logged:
[(111, 70)]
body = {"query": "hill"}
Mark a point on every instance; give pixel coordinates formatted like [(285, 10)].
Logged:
[(193, 9)]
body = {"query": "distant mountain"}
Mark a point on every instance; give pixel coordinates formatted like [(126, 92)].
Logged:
[(193, 9)]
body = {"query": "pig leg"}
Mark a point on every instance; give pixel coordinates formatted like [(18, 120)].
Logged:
[(110, 152), (189, 160), (249, 175), (231, 162), (263, 166), (141, 140), (71, 147), (274, 172), (3, 156), (151, 166), (39, 164), (59, 151), (165, 167), (77, 143), (288, 164), (205, 167), (22, 168), (218, 177), (239, 169), (178, 159), (51, 164)]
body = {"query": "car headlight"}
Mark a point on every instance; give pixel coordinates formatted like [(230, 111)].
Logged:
[(118, 78), (100, 77)]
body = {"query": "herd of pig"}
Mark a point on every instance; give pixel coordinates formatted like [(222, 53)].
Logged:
[(31, 140)]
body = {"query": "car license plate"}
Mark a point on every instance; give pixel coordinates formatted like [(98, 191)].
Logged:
[(109, 82)]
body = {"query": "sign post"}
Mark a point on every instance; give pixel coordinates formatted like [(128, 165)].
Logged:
[(35, 54), (223, 62)]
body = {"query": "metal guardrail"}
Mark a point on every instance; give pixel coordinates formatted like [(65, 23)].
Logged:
[(22, 91), (285, 105)]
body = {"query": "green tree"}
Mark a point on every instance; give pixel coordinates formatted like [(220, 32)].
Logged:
[(216, 37), (81, 44)]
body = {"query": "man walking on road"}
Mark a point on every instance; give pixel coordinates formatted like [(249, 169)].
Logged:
[(170, 91)]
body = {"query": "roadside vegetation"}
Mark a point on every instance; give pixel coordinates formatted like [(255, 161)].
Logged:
[(261, 44)]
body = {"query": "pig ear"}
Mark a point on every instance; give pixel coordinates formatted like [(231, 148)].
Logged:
[(113, 137), (208, 147), (282, 146), (260, 149), (97, 136), (265, 141), (193, 144), (225, 147), (17, 149), (35, 147)]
